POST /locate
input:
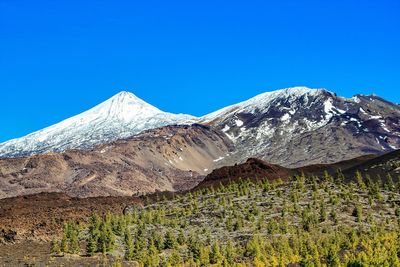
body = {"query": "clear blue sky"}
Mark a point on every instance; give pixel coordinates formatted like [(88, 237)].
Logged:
[(59, 58)]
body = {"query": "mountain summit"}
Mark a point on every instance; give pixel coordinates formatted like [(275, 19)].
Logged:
[(121, 116), (291, 127), (299, 126)]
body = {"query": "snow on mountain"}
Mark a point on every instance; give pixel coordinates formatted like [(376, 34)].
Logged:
[(262, 102), (121, 116), (298, 126), (291, 127)]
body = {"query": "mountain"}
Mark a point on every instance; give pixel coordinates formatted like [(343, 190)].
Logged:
[(291, 127), (121, 116), (301, 126), (171, 158)]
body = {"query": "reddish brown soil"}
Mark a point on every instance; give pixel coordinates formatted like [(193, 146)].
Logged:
[(255, 169), (37, 254), (251, 169), (38, 217)]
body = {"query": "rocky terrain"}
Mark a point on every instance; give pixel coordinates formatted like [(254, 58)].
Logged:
[(385, 166), (253, 169), (302, 222), (376, 167), (300, 126), (125, 146), (28, 223), (172, 158), (256, 169), (283, 127), (38, 217)]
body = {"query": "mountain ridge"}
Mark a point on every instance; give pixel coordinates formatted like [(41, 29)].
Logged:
[(297, 127), (300, 120)]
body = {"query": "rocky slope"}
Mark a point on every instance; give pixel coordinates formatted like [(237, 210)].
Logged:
[(377, 167), (291, 128), (170, 158), (252, 169), (301, 126)]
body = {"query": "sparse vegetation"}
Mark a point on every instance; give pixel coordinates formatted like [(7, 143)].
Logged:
[(306, 222)]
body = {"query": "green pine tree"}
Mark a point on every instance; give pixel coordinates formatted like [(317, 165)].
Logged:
[(55, 248), (215, 253)]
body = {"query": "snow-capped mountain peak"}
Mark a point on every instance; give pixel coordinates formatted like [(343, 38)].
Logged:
[(295, 125), (121, 116), (123, 106), (264, 126), (264, 101)]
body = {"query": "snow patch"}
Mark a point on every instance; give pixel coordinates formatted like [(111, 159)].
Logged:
[(218, 159), (384, 127), (285, 117), (239, 123), (392, 146), (226, 128), (331, 110), (356, 99), (363, 111), (376, 117)]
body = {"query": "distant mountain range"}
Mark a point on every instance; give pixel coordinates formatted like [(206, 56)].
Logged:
[(126, 146), (265, 126)]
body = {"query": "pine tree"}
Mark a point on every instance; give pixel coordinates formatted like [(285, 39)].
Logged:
[(181, 238), (170, 241), (194, 247), (332, 257), (360, 181), (253, 247), (357, 212), (327, 177), (106, 238), (153, 256), (215, 253), (64, 243), (129, 251), (390, 183), (322, 212), (204, 255), (91, 246), (339, 177), (74, 244), (230, 252), (174, 259), (55, 248), (333, 216)]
